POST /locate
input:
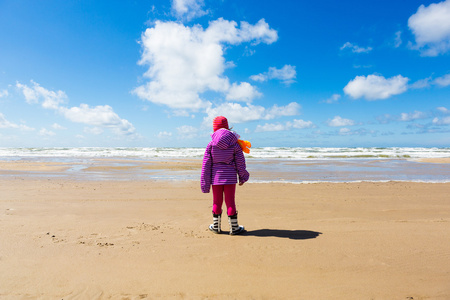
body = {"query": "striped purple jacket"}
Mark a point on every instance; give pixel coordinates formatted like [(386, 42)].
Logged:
[(223, 161)]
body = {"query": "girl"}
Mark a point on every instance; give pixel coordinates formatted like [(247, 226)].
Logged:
[(223, 162)]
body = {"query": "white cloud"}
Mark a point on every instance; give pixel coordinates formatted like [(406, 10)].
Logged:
[(58, 127), (344, 131), (286, 74), (443, 81), (276, 111), (337, 121), (270, 127), (443, 110), (4, 123), (46, 132), (360, 132), (101, 116), (334, 98), (420, 84), (258, 33), (164, 134), (51, 99), (188, 9), (236, 113), (398, 39), (374, 87), (296, 124), (413, 116), (431, 28), (300, 124), (442, 121), (356, 48), (3, 93), (187, 131), (185, 62), (243, 92)]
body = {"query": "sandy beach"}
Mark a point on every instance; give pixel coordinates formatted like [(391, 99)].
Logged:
[(77, 239)]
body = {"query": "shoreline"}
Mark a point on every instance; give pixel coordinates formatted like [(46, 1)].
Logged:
[(262, 170)]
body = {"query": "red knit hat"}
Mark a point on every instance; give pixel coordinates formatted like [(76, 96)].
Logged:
[(220, 122)]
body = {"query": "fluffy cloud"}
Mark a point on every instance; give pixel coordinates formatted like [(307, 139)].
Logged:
[(58, 127), (441, 121), (443, 110), (337, 121), (420, 84), (334, 98), (443, 81), (276, 111), (188, 9), (270, 127), (375, 87), (286, 74), (7, 124), (360, 132), (444, 120), (46, 132), (100, 116), (413, 116), (431, 28), (164, 134), (344, 131), (297, 124), (185, 62), (242, 92), (300, 124), (51, 99), (236, 113), (356, 48), (187, 131), (3, 93)]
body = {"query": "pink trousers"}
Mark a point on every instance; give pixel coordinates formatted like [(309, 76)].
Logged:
[(229, 190)]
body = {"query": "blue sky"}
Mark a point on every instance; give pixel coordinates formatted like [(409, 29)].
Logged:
[(285, 73)]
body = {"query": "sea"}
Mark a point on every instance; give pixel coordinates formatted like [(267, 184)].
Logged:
[(265, 164)]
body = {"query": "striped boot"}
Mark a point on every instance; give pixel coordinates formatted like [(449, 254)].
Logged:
[(215, 226), (235, 228)]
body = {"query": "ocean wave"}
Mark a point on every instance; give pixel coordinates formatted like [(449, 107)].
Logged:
[(300, 153)]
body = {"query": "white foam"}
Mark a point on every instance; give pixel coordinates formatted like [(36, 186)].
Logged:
[(296, 153)]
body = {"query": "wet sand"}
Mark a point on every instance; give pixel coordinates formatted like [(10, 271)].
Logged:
[(77, 239), (262, 170), (444, 160)]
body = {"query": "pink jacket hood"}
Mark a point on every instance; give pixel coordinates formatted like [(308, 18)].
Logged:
[(224, 138)]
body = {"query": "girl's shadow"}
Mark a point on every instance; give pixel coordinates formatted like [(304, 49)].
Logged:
[(290, 234)]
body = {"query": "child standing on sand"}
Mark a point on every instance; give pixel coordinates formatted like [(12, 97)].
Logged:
[(223, 162)]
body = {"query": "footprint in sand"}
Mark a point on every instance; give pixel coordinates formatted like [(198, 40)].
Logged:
[(105, 244)]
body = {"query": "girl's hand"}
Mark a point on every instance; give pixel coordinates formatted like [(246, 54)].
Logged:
[(241, 183)]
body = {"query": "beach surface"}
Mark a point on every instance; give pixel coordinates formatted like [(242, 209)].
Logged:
[(65, 238)]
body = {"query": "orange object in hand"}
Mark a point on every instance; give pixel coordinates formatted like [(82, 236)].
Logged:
[(245, 146)]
